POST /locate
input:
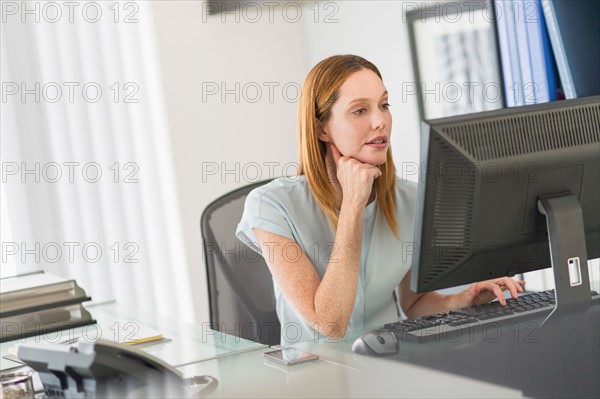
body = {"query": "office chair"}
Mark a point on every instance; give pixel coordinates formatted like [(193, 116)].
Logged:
[(240, 286)]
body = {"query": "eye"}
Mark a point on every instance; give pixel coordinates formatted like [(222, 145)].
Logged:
[(385, 106), (359, 112)]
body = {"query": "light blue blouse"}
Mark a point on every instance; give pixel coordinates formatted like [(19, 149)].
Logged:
[(287, 207)]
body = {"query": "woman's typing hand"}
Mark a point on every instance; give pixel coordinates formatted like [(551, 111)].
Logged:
[(486, 291)]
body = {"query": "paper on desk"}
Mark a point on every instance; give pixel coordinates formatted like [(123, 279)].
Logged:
[(143, 340), (130, 334)]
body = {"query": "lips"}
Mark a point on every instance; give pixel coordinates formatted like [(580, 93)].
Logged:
[(379, 140)]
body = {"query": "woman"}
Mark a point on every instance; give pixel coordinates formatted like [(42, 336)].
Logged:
[(334, 237)]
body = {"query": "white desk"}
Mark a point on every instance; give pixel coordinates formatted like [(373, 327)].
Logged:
[(242, 370), (251, 375), (189, 343), (560, 360)]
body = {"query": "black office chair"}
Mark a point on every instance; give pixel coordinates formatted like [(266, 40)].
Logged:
[(240, 286)]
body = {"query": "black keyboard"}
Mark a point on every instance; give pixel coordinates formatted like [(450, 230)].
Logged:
[(451, 326)]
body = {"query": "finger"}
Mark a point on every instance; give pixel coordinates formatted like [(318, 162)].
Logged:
[(376, 172), (496, 290), (513, 290), (336, 154), (375, 169), (518, 284), (511, 285)]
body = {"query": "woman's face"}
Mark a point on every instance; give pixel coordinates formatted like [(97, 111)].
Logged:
[(360, 123)]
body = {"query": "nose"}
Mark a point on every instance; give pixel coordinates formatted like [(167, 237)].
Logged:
[(378, 121)]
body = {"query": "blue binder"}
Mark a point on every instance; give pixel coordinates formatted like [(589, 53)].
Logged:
[(527, 66), (574, 30)]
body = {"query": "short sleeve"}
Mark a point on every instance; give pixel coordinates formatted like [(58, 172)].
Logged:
[(406, 200), (262, 210)]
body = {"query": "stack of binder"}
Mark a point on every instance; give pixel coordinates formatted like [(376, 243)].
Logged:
[(39, 304), (534, 35), (525, 52)]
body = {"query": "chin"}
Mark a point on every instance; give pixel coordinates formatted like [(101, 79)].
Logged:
[(373, 161), (373, 158)]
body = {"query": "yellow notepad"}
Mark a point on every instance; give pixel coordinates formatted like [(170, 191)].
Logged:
[(143, 339)]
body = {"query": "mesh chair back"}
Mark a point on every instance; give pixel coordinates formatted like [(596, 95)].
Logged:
[(240, 285)]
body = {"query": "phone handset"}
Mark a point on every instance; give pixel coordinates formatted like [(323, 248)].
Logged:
[(108, 369)]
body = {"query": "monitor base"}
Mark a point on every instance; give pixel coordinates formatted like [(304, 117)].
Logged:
[(568, 254)]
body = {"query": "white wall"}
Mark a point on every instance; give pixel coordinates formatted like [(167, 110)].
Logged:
[(201, 52), (220, 135)]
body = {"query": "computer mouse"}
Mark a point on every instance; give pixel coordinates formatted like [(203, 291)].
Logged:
[(376, 343)]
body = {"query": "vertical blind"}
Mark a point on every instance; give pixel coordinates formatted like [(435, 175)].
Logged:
[(88, 182)]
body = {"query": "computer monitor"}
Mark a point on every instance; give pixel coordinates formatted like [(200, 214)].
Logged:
[(485, 180)]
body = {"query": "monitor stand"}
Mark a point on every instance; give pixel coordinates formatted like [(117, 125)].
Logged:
[(568, 254)]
